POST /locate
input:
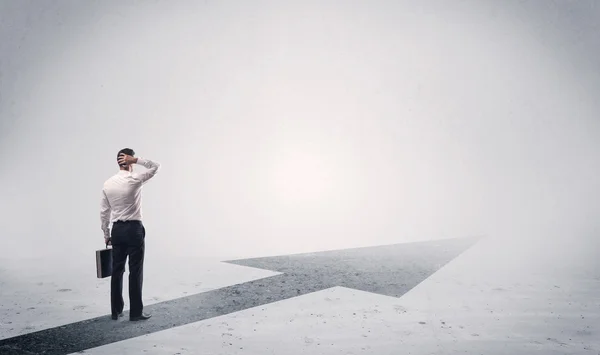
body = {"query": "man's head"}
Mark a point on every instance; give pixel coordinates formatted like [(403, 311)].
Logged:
[(126, 151)]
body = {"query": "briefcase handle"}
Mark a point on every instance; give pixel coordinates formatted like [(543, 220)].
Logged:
[(109, 239)]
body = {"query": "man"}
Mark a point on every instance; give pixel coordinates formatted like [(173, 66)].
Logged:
[(122, 205)]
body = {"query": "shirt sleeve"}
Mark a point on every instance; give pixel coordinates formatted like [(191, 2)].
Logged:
[(105, 215), (152, 168)]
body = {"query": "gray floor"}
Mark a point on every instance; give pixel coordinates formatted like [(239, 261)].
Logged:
[(442, 297)]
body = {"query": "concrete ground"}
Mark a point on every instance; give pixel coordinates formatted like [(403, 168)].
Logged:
[(497, 297)]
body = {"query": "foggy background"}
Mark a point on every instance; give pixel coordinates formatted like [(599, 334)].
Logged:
[(295, 126)]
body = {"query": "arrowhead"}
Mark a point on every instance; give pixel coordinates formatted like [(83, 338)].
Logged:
[(390, 270)]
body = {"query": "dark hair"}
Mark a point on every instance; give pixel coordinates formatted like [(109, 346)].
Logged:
[(127, 151)]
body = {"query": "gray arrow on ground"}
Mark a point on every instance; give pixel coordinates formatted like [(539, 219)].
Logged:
[(390, 270)]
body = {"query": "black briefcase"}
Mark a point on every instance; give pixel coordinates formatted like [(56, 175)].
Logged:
[(104, 262)]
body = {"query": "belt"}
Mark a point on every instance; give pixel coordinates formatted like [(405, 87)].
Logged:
[(128, 221)]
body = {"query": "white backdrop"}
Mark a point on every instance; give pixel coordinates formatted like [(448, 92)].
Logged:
[(300, 125)]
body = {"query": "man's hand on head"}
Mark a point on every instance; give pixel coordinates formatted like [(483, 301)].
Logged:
[(125, 159)]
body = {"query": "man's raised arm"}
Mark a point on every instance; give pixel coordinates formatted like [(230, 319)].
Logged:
[(152, 167)]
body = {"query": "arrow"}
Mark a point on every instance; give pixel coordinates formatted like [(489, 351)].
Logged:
[(390, 270)]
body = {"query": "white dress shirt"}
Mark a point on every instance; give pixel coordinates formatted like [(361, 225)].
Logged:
[(122, 195)]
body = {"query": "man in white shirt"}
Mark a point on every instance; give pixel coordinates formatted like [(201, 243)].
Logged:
[(122, 206)]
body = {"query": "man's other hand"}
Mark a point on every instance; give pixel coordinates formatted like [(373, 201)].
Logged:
[(125, 159), (107, 241)]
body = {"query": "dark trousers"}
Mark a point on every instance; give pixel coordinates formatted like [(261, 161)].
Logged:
[(127, 239)]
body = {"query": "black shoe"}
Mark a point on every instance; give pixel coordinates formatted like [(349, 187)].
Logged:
[(116, 316), (140, 317)]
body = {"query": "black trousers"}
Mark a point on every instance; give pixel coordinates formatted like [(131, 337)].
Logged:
[(128, 240)]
